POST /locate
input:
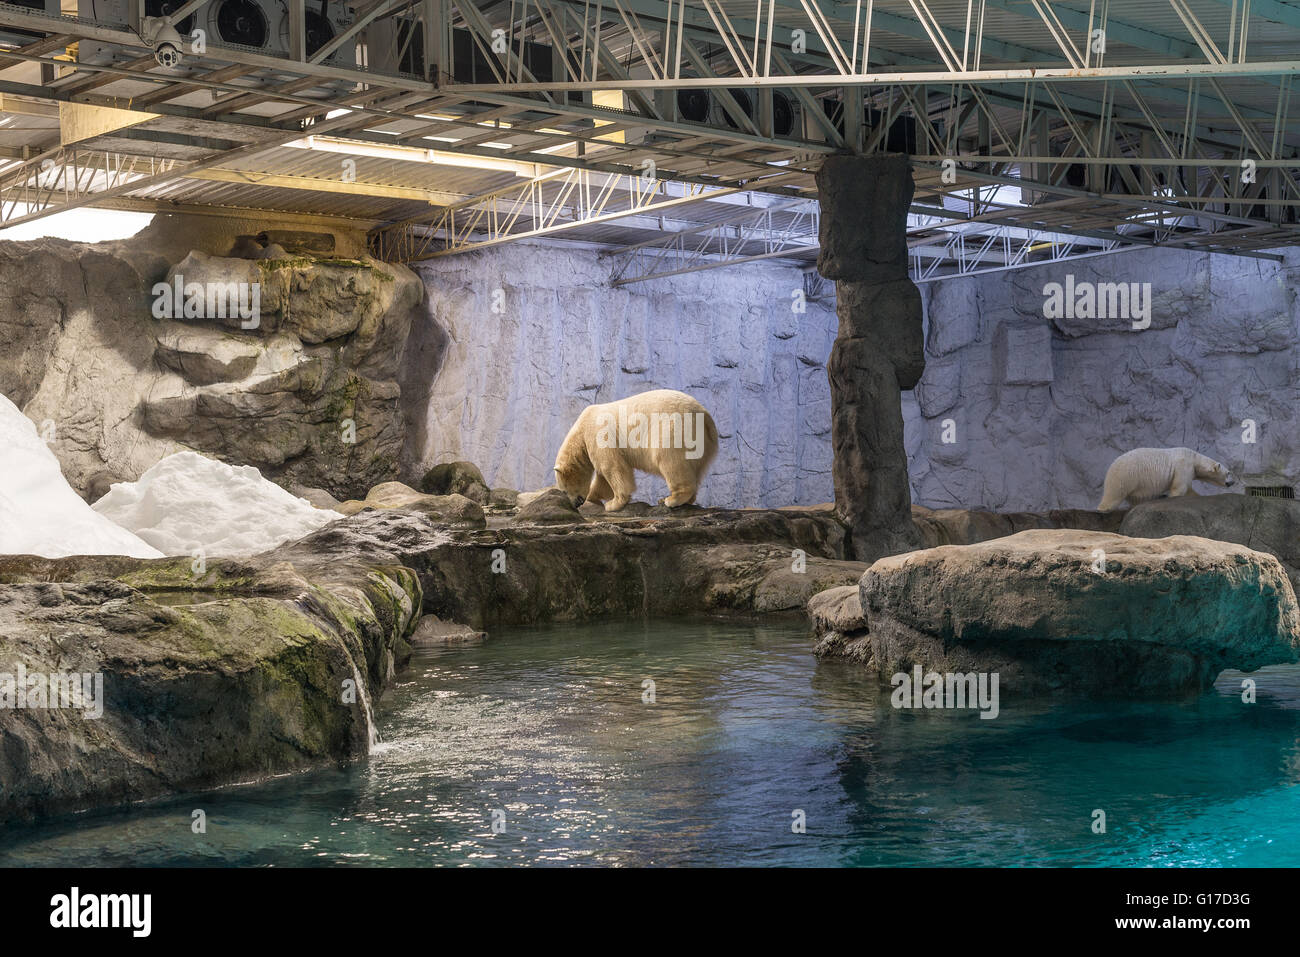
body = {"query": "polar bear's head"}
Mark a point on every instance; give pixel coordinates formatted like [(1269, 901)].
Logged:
[(574, 479), (1208, 470), (573, 467)]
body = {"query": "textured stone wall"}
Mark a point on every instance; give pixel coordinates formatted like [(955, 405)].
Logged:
[(115, 389), (1041, 407), (502, 389)]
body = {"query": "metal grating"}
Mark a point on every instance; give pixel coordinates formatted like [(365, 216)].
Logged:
[(1271, 491)]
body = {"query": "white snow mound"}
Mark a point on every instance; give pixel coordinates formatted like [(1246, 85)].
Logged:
[(40, 514), (189, 502)]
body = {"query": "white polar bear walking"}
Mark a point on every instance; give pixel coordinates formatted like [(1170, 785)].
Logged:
[(1144, 474), (663, 432)]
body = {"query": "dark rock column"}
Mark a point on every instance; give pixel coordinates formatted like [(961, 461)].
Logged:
[(879, 350)]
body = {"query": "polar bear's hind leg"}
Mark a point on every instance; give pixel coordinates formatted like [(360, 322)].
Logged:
[(683, 483), (1112, 495)]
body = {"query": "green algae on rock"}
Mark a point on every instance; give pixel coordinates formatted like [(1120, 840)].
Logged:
[(250, 668)]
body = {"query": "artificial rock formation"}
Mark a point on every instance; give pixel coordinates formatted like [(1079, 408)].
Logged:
[(1076, 611), (709, 561), (1042, 406), (561, 338), (117, 389), (551, 507), (879, 350), (456, 478), (962, 526), (309, 396), (251, 668), (454, 509), (285, 634), (1269, 525)]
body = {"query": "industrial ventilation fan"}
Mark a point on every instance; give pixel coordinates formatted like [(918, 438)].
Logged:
[(699, 106), (742, 99), (317, 26), (259, 24), (241, 22), (782, 115), (903, 136), (694, 106)]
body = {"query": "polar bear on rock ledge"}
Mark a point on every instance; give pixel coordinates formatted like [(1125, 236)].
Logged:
[(1144, 474), (663, 432)]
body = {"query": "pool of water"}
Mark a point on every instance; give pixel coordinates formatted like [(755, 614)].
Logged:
[(538, 747)]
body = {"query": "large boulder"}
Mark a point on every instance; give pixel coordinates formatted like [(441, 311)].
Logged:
[(503, 499), (760, 578), (456, 478), (318, 497), (454, 510), (247, 669), (205, 356), (551, 507), (838, 609), (1078, 611), (840, 624), (1265, 524)]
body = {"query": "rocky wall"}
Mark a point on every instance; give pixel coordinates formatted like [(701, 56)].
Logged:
[(308, 393), (1035, 408), (517, 340)]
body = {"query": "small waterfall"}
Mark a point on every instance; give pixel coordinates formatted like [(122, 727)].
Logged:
[(372, 734)]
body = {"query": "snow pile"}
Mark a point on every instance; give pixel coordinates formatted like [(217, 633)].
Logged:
[(189, 502), (40, 514)]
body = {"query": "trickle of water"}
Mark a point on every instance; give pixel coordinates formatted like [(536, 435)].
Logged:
[(367, 710)]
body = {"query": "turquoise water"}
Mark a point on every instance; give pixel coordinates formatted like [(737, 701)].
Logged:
[(548, 726)]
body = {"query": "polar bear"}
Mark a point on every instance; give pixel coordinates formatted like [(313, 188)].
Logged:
[(663, 432), (1144, 474)]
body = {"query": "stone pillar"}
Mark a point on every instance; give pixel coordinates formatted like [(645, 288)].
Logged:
[(879, 350)]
